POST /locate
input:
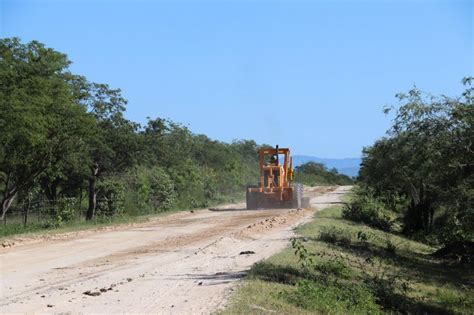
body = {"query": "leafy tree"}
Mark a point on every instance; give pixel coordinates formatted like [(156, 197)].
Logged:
[(114, 143), (40, 120), (151, 189), (427, 158), (61, 134)]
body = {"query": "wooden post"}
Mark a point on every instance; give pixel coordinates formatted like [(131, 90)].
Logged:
[(26, 209)]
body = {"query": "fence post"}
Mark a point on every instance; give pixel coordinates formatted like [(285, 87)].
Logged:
[(26, 209)]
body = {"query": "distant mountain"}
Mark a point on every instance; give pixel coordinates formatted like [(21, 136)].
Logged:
[(348, 166)]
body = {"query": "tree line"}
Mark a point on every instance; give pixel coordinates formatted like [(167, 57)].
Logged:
[(312, 173), (62, 137), (65, 140), (421, 175)]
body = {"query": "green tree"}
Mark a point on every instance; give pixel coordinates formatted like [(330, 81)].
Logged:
[(114, 142), (312, 173), (427, 158), (40, 120)]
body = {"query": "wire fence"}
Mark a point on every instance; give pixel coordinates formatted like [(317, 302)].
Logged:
[(43, 211)]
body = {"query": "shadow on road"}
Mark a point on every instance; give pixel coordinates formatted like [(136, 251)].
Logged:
[(228, 209), (219, 277)]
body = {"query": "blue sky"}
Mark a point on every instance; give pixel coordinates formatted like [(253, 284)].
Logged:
[(310, 75)]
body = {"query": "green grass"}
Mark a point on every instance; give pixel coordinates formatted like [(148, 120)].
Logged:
[(354, 269)]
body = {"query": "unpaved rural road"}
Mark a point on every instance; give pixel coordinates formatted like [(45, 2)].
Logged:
[(184, 263)]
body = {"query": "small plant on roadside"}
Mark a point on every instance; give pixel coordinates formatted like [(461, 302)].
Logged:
[(383, 283), (334, 267), (61, 211), (335, 236), (66, 209), (450, 298), (333, 298), (390, 247), (326, 293), (363, 238), (305, 258), (368, 209), (111, 197)]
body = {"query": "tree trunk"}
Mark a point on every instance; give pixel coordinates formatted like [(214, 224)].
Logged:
[(6, 203), (92, 194), (50, 189)]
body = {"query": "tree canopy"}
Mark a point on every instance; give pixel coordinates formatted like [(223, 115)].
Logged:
[(63, 137), (427, 160), (312, 173), (40, 121)]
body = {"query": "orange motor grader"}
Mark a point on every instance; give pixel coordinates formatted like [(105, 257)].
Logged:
[(275, 189)]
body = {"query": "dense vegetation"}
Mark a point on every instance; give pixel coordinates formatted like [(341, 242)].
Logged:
[(312, 173), (68, 153), (404, 241), (64, 143), (420, 177), (337, 267)]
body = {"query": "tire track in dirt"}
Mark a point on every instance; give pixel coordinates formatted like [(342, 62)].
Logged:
[(183, 264)]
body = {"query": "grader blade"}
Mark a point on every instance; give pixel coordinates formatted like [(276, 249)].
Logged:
[(276, 188)]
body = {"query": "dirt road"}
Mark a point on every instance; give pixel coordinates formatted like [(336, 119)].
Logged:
[(186, 263)]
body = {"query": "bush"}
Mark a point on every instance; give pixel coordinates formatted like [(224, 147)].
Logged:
[(110, 197), (189, 181), (150, 189), (390, 247), (370, 210), (162, 195), (333, 267), (61, 211), (456, 226), (387, 288), (336, 236), (66, 209), (333, 298)]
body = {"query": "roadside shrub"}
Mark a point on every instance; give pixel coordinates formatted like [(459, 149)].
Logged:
[(305, 258), (110, 197), (60, 211), (333, 298), (334, 267), (363, 238), (335, 236), (162, 194), (66, 209), (387, 289), (390, 247), (52, 223), (189, 185), (370, 210), (456, 226), (150, 190), (451, 299)]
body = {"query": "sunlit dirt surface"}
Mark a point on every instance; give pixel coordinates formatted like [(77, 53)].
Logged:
[(184, 263)]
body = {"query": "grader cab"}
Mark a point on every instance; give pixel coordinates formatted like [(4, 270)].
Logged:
[(275, 189)]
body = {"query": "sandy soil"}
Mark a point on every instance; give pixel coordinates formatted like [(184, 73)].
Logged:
[(185, 263)]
